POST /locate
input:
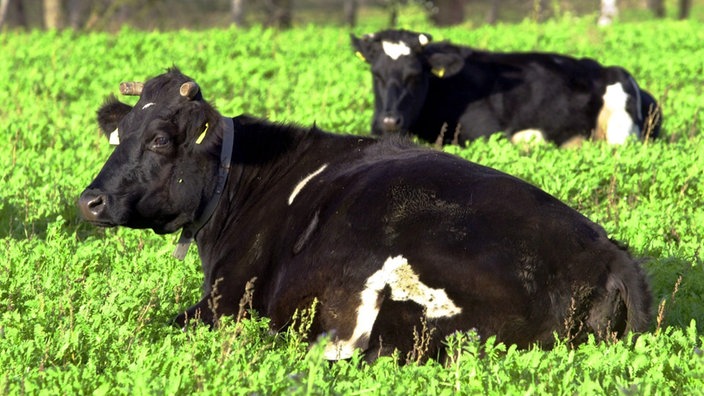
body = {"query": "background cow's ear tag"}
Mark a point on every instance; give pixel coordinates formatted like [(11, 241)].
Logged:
[(202, 134), (360, 56), (114, 138), (438, 71)]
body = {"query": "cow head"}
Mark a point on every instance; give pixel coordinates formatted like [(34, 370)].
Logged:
[(165, 162), (402, 65)]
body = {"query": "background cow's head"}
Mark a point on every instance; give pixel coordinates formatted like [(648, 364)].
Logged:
[(402, 64), (165, 159)]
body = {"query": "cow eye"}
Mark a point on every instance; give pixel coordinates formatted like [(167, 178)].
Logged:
[(160, 141)]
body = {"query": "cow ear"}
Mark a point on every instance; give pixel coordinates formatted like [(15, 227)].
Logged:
[(363, 47), (445, 65), (110, 114)]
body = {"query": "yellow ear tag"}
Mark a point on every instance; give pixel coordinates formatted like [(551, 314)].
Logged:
[(360, 56), (440, 72), (202, 134)]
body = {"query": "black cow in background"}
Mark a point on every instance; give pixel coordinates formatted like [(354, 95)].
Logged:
[(387, 236), (423, 88)]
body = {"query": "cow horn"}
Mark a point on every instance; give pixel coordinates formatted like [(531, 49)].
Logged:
[(189, 89), (131, 88)]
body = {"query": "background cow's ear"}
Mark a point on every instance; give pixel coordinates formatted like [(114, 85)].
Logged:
[(110, 114), (445, 65), (363, 47), (424, 39)]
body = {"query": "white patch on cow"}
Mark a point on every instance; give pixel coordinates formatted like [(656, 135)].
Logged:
[(423, 40), (405, 285), (303, 183), (395, 50), (614, 124), (150, 104), (528, 136), (114, 138)]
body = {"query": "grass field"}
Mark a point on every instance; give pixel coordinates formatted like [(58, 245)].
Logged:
[(87, 311)]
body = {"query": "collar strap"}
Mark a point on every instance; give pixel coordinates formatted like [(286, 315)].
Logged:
[(189, 231)]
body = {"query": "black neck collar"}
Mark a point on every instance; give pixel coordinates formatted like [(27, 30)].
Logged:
[(189, 231)]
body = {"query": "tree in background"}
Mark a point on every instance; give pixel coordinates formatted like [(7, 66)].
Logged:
[(238, 12), (350, 10), (3, 10), (174, 14), (607, 13), (280, 13), (492, 15), (447, 12), (53, 14), (658, 7)]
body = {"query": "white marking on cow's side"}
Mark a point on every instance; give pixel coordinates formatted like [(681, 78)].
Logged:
[(114, 138), (150, 104), (303, 183), (405, 285), (395, 50), (528, 136), (423, 40), (614, 123)]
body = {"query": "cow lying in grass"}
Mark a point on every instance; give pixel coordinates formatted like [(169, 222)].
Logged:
[(386, 236), (449, 93)]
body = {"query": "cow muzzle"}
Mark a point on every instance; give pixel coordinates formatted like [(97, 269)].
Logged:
[(391, 123), (92, 205)]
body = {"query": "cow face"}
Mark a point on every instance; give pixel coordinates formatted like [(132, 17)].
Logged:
[(402, 68), (162, 166)]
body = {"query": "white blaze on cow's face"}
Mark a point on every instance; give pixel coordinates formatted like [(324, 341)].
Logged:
[(405, 285), (297, 189), (148, 105), (395, 50), (614, 123)]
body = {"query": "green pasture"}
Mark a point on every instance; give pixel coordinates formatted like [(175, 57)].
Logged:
[(87, 311)]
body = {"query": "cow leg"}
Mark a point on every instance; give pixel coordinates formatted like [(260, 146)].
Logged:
[(217, 303), (201, 311)]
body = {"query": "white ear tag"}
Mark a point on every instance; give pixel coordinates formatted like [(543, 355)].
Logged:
[(114, 138)]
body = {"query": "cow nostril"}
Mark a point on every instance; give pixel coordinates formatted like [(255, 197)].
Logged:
[(91, 205), (96, 203), (391, 124)]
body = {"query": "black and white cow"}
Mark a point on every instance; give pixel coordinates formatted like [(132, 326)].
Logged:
[(384, 234), (423, 88)]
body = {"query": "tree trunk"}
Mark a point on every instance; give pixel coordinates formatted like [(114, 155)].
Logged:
[(351, 7), (685, 7), (280, 13), (493, 15), (3, 11), (657, 7), (449, 12), (542, 10), (76, 11), (238, 12), (609, 11), (52, 14)]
